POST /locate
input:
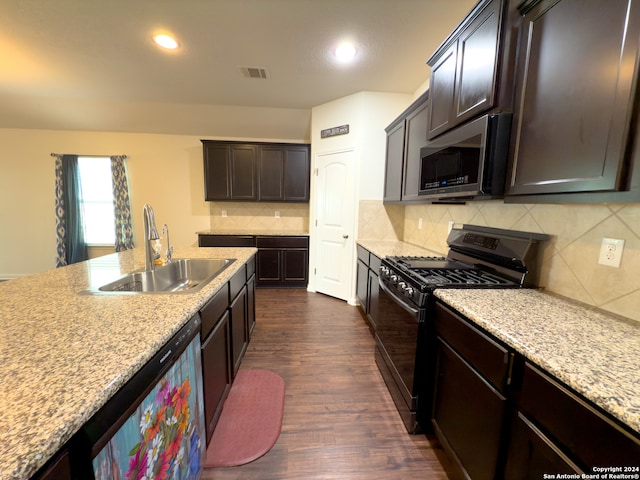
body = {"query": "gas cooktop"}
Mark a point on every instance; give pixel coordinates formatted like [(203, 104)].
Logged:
[(444, 272), (478, 257)]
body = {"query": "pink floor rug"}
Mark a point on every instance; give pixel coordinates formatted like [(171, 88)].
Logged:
[(250, 421)]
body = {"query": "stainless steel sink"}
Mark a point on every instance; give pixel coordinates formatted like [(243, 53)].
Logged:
[(183, 275)]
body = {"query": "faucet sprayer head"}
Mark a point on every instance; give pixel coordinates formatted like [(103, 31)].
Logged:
[(150, 223)]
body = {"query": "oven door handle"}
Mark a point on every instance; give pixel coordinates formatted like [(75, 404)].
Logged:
[(413, 311)]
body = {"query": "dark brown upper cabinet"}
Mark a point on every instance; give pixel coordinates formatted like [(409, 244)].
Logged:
[(574, 106), (230, 171), (267, 172), (405, 136), (394, 160), (283, 173), (415, 139), (464, 70)]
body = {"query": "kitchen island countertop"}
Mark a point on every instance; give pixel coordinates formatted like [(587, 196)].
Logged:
[(592, 351), (64, 354)]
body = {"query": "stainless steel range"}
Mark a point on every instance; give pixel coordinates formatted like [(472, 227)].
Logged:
[(479, 257)]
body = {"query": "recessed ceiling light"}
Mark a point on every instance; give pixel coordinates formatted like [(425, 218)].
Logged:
[(166, 41), (345, 52)]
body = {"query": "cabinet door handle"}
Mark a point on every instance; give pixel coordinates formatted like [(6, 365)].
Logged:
[(345, 236), (510, 368)]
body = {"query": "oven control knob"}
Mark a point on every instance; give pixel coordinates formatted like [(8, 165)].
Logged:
[(384, 270), (394, 278), (405, 289)]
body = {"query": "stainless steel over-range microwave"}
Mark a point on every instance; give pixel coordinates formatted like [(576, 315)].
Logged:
[(469, 161)]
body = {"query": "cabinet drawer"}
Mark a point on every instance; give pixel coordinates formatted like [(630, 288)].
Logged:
[(487, 357), (57, 469), (283, 242), (213, 310), (237, 282), (468, 415), (251, 267), (363, 255), (226, 241), (587, 436), (532, 455), (374, 263)]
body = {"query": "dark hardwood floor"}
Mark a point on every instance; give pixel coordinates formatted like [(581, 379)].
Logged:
[(339, 419)]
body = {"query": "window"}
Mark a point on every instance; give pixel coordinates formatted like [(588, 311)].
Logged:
[(97, 200)]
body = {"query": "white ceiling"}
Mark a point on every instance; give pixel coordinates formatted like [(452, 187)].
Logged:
[(67, 64)]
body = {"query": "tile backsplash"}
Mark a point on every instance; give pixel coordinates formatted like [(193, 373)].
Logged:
[(570, 260), (245, 216)]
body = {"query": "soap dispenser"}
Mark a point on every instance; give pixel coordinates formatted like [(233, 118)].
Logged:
[(157, 249)]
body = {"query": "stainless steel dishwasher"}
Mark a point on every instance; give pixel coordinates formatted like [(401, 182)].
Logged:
[(153, 427)]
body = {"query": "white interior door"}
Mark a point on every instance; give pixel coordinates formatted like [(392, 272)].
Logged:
[(335, 207)]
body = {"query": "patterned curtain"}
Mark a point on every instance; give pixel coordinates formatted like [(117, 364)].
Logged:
[(121, 204), (70, 244), (61, 256)]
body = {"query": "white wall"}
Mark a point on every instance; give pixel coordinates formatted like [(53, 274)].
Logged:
[(367, 114), (164, 170)]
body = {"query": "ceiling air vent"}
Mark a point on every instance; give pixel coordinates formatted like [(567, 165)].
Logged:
[(254, 72)]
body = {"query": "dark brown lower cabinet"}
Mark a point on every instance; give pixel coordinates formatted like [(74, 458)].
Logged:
[(367, 288), (59, 468), (362, 284), (568, 424), (282, 261), (532, 454), (468, 415), (239, 333), (295, 266), (216, 372), (251, 304), (374, 290), (215, 335), (227, 319), (499, 416), (270, 267), (470, 408)]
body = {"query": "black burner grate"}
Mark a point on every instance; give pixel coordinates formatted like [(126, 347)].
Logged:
[(433, 271), (459, 277)]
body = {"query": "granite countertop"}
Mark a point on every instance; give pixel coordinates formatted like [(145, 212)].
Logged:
[(591, 350), (256, 232), (382, 248), (63, 355), (594, 352)]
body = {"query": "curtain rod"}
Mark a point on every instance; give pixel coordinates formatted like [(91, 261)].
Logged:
[(61, 154)]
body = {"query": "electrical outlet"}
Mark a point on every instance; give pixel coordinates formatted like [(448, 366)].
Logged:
[(224, 213), (611, 252), (420, 223), (277, 214)]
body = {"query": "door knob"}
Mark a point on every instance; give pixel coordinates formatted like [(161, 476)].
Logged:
[(345, 236)]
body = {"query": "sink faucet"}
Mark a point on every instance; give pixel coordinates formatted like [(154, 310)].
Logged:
[(150, 234), (165, 232)]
